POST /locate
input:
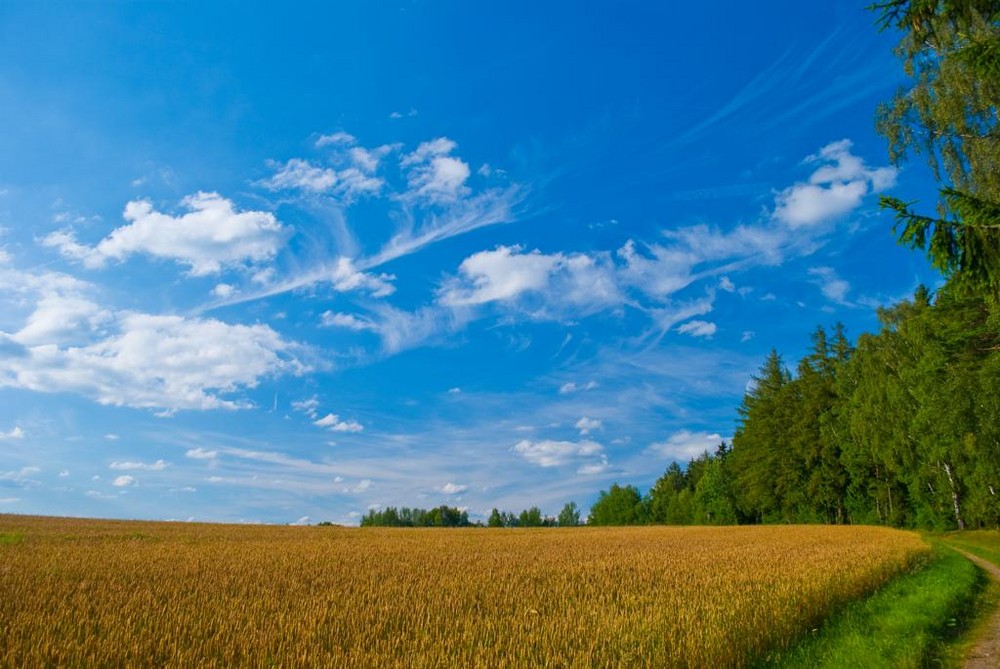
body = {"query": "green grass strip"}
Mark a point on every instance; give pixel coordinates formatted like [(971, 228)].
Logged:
[(984, 543), (913, 621)]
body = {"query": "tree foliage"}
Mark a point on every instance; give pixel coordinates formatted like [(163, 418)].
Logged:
[(948, 113)]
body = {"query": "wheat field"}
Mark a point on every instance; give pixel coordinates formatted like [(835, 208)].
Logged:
[(118, 593)]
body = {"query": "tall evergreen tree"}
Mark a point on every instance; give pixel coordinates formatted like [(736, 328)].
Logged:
[(760, 442)]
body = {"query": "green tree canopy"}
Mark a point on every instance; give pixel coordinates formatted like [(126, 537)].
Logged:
[(948, 113)]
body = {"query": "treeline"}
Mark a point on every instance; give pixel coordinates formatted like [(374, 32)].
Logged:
[(448, 516), (901, 430), (568, 517), (441, 516)]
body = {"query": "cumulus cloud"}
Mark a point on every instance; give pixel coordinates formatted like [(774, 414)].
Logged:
[(334, 424), (304, 520), (59, 317), (144, 466), (576, 282), (346, 278), (453, 488), (685, 445), (586, 425), (834, 189), (434, 175), (698, 328), (551, 453), (158, 362), (211, 236), (124, 481)]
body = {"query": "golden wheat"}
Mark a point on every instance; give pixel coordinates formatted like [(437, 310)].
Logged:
[(107, 593)]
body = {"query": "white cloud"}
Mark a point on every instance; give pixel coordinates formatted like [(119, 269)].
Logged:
[(332, 319), (201, 454), (434, 175), (834, 189), (685, 445), (401, 330), (304, 520), (346, 278), (301, 174), (124, 481), (336, 139), (308, 407), (334, 424), (360, 487), (22, 476), (61, 317), (726, 284), (355, 180), (224, 291), (143, 466), (550, 453), (573, 387), (159, 362), (698, 328), (210, 237), (15, 433), (500, 274), (593, 468), (9, 500), (832, 286), (666, 317), (586, 425), (453, 488), (574, 283)]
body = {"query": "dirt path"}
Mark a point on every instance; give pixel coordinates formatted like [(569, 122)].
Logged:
[(986, 653)]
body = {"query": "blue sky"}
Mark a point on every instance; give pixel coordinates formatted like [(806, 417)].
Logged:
[(286, 264)]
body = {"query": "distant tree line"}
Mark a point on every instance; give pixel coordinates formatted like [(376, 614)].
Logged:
[(447, 516), (442, 516)]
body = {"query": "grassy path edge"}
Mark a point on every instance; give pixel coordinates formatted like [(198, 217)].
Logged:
[(926, 616), (984, 651)]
